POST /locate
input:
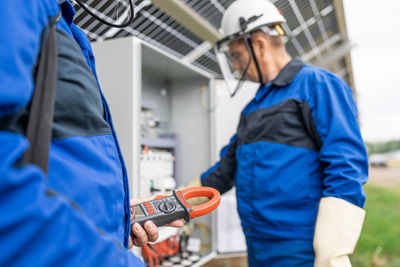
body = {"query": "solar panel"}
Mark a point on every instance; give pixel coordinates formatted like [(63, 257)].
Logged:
[(311, 26)]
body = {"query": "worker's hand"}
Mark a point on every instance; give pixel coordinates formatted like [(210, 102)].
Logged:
[(139, 236)]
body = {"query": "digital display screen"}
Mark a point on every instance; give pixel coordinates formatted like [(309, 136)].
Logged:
[(139, 212)]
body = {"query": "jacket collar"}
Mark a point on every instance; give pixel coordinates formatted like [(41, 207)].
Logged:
[(287, 74), (285, 77), (68, 11)]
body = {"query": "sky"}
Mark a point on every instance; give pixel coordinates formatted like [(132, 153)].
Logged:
[(374, 27)]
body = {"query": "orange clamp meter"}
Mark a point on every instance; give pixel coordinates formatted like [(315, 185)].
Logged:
[(165, 209)]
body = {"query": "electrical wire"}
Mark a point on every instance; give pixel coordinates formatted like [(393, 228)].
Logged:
[(202, 100), (130, 20), (206, 239)]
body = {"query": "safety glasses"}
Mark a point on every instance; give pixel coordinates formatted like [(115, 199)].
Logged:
[(234, 61)]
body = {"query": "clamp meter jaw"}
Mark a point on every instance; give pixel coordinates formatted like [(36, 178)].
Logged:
[(165, 209)]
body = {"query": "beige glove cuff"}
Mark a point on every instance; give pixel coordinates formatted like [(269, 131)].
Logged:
[(194, 183), (337, 230)]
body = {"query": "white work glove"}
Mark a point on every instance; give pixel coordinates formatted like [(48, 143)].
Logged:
[(337, 230), (194, 183)]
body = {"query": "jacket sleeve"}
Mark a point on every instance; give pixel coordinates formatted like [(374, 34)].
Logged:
[(221, 175), (343, 154), (38, 227)]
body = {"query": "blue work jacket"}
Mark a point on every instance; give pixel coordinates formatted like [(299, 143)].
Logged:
[(297, 141), (77, 215)]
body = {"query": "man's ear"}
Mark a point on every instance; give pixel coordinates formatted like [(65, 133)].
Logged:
[(260, 45)]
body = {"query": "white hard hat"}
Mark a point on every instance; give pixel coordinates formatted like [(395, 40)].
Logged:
[(266, 12), (240, 19)]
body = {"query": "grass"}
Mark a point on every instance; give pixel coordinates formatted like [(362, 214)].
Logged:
[(379, 243)]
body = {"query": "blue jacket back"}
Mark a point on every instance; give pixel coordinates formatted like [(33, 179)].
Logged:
[(79, 213)]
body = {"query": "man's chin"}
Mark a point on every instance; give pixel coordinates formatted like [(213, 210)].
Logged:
[(250, 79)]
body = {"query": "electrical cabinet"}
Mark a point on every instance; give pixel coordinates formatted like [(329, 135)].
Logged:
[(161, 112), (229, 237)]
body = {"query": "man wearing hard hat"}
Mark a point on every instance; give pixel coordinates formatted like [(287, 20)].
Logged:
[(298, 160)]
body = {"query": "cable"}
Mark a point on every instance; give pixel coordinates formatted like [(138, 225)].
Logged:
[(187, 231), (203, 105), (206, 240), (130, 20)]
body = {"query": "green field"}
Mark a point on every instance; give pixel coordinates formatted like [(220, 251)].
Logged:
[(379, 243)]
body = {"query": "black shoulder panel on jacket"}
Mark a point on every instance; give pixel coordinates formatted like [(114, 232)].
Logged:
[(79, 108), (289, 123)]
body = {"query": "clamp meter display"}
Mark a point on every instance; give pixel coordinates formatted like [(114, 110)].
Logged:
[(165, 209)]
